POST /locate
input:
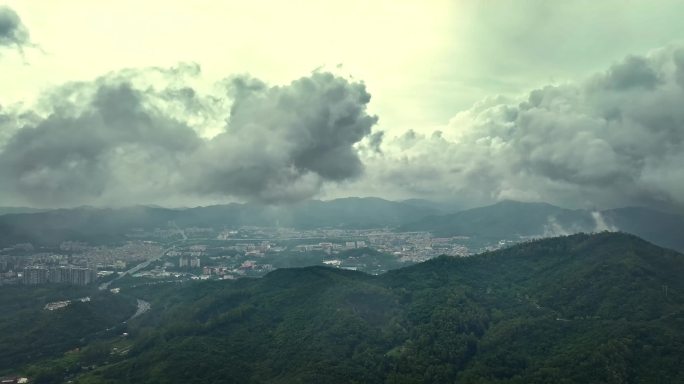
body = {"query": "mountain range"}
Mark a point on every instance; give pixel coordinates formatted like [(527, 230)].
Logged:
[(509, 219), (602, 308), (111, 224)]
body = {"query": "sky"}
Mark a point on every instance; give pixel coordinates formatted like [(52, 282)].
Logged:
[(576, 103)]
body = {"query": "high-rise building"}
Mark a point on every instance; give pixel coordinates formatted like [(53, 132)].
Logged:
[(82, 276), (64, 274), (35, 275), (195, 262), (183, 261), (60, 275)]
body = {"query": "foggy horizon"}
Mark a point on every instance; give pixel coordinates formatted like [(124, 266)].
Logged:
[(444, 206)]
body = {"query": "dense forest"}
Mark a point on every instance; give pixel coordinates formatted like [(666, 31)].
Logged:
[(31, 333), (604, 308)]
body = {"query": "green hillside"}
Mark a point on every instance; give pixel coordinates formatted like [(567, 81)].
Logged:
[(29, 333), (605, 308)]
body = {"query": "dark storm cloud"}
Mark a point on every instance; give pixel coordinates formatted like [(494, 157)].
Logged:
[(71, 156), (13, 33), (125, 139), (633, 72), (282, 143), (616, 139), (375, 140), (679, 66)]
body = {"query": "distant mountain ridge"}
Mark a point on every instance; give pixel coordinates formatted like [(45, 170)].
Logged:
[(513, 218), (11, 210), (503, 220), (108, 224)]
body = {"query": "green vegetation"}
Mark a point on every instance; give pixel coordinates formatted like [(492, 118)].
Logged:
[(369, 260), (606, 308), (30, 333)]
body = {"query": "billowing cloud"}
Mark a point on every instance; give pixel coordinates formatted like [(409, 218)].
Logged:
[(615, 139), (282, 143), (13, 33), (75, 154), (137, 136), (154, 136)]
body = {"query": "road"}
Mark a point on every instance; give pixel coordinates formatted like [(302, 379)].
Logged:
[(138, 267)]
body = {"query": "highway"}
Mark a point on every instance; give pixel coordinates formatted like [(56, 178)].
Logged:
[(138, 267)]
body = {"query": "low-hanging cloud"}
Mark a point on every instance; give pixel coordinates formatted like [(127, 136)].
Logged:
[(136, 136), (13, 33), (615, 139)]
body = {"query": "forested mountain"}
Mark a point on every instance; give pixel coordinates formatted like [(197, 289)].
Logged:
[(29, 332), (584, 308)]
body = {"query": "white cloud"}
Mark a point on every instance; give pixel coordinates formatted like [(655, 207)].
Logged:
[(615, 139)]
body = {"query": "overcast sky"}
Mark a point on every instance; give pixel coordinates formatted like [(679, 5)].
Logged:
[(577, 103)]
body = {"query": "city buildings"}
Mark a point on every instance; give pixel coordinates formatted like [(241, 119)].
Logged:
[(186, 261), (34, 275)]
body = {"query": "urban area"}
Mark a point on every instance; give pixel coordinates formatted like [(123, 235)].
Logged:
[(206, 253)]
